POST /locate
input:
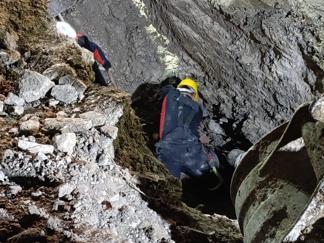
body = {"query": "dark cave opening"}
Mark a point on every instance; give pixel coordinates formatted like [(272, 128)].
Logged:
[(147, 102)]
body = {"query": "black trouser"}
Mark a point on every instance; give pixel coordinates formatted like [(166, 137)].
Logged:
[(100, 79)]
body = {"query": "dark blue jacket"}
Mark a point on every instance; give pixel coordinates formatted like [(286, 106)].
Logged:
[(179, 110)]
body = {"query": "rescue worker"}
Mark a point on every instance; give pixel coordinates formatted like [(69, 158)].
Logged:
[(98, 54), (179, 147), (100, 58)]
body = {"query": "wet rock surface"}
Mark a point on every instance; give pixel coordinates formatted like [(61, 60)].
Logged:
[(256, 61)]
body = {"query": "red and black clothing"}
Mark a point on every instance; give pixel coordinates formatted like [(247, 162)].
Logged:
[(98, 55)]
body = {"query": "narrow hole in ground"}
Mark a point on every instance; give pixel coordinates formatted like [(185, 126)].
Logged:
[(147, 102)]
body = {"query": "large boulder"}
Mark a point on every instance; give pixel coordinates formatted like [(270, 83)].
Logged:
[(33, 86)]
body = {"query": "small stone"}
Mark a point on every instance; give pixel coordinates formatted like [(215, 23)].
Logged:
[(9, 57), (35, 148), (18, 110), (65, 189), (41, 157), (8, 155), (65, 93), (65, 142), (97, 119), (110, 131), (36, 194), (33, 86), (3, 177), (14, 100), (53, 102), (14, 131), (54, 223), (15, 189), (31, 126), (61, 114), (31, 139), (1, 106)]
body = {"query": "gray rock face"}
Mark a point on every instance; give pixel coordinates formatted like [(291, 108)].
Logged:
[(9, 57), (65, 93), (33, 86), (18, 110), (65, 142), (35, 148), (58, 70), (13, 99), (79, 86), (67, 124), (255, 61), (31, 125), (97, 119)]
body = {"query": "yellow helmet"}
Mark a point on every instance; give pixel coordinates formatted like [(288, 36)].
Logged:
[(192, 84)]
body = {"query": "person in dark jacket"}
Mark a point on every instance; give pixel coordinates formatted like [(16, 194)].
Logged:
[(179, 147), (66, 29), (100, 58)]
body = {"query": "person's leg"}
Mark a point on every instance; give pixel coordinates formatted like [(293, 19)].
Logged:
[(99, 78)]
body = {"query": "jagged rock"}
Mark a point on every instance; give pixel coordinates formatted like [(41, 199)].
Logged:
[(36, 194), (67, 124), (54, 223), (61, 114), (8, 154), (65, 93), (59, 70), (14, 131), (3, 177), (65, 190), (31, 125), (97, 119), (33, 86), (76, 83), (216, 128), (15, 189), (1, 106), (14, 100), (35, 148), (33, 209), (110, 131), (53, 102), (65, 142), (4, 215), (18, 110), (41, 157), (9, 57), (8, 40)]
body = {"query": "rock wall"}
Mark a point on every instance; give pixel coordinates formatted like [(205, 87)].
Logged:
[(256, 61), (60, 178)]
